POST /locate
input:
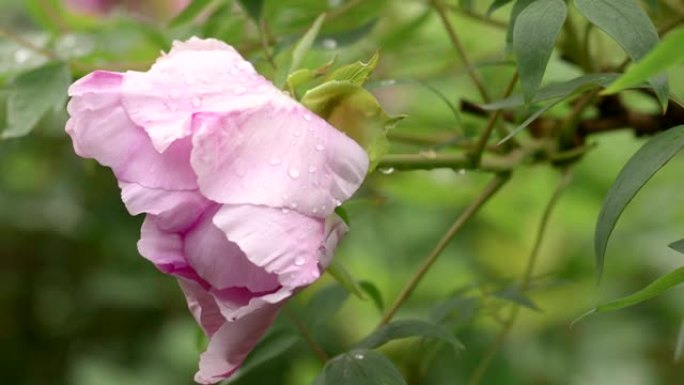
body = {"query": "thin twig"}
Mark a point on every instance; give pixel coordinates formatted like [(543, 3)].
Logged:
[(304, 331), (525, 280), (470, 211), (456, 41), (476, 16), (491, 122), (21, 41), (456, 161)]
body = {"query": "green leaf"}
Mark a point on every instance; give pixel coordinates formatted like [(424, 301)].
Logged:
[(253, 8), (190, 12), (639, 169), (529, 120), (355, 111), (534, 36), (374, 294), (304, 44), (558, 90), (627, 23), (515, 295), (654, 289), (518, 7), (406, 329), (496, 4), (347, 36), (355, 73), (33, 94), (664, 56), (360, 367), (677, 246), (344, 278), (454, 311), (325, 304)]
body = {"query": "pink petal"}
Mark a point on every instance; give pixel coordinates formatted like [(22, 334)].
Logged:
[(283, 242), (230, 344), (174, 210), (280, 155), (100, 129), (202, 306), (222, 263), (196, 76)]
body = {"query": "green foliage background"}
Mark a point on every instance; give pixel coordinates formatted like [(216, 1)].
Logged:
[(79, 306)]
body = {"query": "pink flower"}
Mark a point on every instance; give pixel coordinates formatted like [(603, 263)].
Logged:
[(237, 180)]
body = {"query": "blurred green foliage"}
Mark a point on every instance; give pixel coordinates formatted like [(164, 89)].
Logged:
[(79, 306)]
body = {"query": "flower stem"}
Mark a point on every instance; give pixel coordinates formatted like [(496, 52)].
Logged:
[(456, 161), (456, 41), (470, 211), (525, 280), (306, 335)]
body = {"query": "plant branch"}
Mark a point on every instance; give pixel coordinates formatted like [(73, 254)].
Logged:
[(456, 41), (456, 161), (306, 335), (21, 41), (479, 17), (491, 122), (489, 191), (481, 369)]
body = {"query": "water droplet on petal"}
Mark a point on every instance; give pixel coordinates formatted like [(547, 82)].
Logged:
[(324, 207), (338, 203), (315, 210), (386, 171), (285, 210), (312, 169), (307, 117), (196, 102), (294, 205), (299, 261), (294, 173), (297, 133), (320, 147)]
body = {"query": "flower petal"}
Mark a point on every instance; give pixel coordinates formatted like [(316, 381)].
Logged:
[(222, 263), (284, 242), (230, 344), (100, 129), (280, 155), (174, 210), (196, 76)]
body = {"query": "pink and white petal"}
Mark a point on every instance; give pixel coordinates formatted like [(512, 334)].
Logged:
[(202, 306), (235, 303), (165, 251), (100, 129), (196, 76), (280, 155), (230, 344), (222, 263), (283, 242), (175, 210), (335, 229)]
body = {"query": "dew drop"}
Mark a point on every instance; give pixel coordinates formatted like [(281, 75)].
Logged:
[(358, 356), (315, 210), (386, 171), (338, 203), (294, 205), (274, 161), (285, 210), (320, 147), (329, 43), (312, 169), (307, 117), (294, 173), (196, 102), (21, 55), (324, 207), (297, 134), (299, 261)]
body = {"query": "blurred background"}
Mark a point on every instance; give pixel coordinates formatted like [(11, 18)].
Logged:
[(79, 306)]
